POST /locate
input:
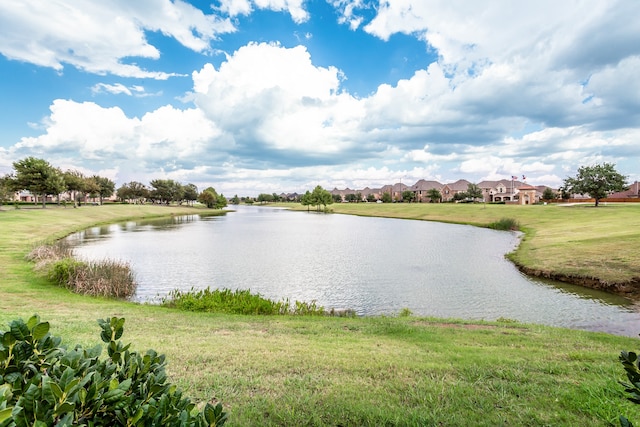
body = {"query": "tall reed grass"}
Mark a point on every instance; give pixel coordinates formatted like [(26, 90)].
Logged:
[(506, 224), (105, 278)]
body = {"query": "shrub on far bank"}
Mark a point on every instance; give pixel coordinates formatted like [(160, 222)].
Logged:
[(42, 383), (507, 224)]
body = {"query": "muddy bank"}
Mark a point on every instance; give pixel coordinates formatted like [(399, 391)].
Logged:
[(630, 289)]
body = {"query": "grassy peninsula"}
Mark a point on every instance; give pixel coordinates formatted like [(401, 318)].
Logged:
[(406, 371)]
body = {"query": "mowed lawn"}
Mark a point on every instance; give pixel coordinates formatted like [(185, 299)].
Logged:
[(404, 371)]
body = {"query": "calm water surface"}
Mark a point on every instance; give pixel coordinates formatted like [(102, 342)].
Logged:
[(372, 265)]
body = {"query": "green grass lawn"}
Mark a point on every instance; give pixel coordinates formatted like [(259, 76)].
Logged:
[(285, 371)]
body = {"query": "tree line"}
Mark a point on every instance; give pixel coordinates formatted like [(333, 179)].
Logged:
[(44, 180)]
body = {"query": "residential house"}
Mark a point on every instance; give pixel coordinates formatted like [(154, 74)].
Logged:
[(632, 192), (503, 190), (365, 192), (450, 190), (422, 187)]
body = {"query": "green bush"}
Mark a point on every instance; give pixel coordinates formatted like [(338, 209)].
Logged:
[(631, 365), (237, 302), (507, 224), (42, 383), (62, 271)]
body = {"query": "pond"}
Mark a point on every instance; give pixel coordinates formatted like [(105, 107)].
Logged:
[(371, 265)]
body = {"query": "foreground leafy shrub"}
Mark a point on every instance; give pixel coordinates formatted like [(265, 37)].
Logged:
[(507, 224), (632, 367), (237, 302), (42, 383)]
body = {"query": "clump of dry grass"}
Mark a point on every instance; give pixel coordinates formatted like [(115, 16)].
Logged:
[(44, 255), (106, 278)]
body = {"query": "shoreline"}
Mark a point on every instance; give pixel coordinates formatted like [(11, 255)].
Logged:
[(629, 288)]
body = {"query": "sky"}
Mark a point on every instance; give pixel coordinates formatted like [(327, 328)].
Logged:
[(264, 96)]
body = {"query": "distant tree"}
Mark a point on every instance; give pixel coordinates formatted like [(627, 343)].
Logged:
[(212, 199), (221, 202), (350, 198), (6, 188), (189, 193), (265, 198), (91, 188), (208, 197), (56, 184), (133, 190), (123, 193), (235, 200), (106, 187), (320, 196), (275, 198), (474, 192), (459, 196), (38, 177), (434, 195), (305, 200), (597, 181), (408, 196), (358, 197), (371, 197), (75, 184), (386, 197), (336, 198), (548, 194), (166, 190)]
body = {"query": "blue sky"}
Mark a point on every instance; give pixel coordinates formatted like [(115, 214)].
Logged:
[(252, 96)]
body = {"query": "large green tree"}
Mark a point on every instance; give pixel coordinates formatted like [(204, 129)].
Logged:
[(597, 181), (265, 198), (75, 183), (408, 196), (6, 188), (212, 199), (106, 187), (434, 195), (189, 193), (167, 190), (133, 190), (38, 177), (474, 192), (305, 200), (320, 196)]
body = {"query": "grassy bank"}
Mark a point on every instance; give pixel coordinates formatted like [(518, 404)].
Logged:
[(335, 371), (579, 241)]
